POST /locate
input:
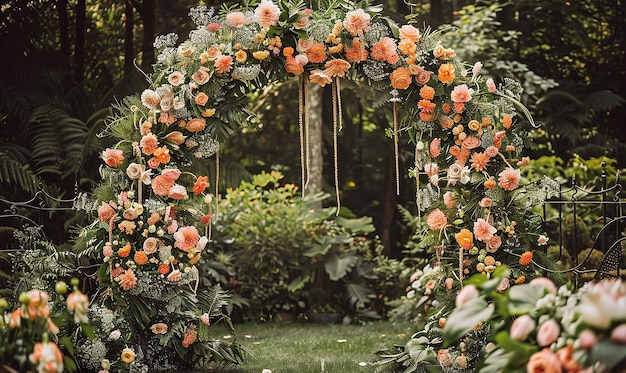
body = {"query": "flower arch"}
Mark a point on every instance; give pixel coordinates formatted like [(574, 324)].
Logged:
[(467, 132)]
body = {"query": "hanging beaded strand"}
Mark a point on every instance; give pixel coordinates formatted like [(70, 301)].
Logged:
[(336, 115), (303, 160), (395, 146), (307, 143)]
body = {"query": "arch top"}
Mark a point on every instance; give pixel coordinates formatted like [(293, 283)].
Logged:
[(200, 84)]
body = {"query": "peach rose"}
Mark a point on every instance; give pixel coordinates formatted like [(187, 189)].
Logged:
[(106, 212), (134, 171), (189, 338), (292, 66), (201, 76), (446, 73), (400, 78), (544, 361), (159, 328), (161, 185), (201, 98), (176, 78), (150, 245), (410, 33)]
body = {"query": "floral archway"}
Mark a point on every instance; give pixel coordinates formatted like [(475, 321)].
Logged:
[(155, 211)]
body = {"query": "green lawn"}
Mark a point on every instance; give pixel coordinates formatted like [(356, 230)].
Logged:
[(301, 347)]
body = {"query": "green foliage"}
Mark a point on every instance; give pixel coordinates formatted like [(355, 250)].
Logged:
[(478, 35), (288, 255)]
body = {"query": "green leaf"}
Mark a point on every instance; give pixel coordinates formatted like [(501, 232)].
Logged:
[(298, 283), (317, 249), (66, 342), (358, 226), (609, 353), (522, 298), (69, 364), (517, 352), (88, 331), (465, 318), (337, 267)]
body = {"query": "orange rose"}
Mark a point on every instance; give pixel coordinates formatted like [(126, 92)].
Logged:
[(124, 251), (544, 361), (566, 357), (465, 239), (401, 78), (293, 67), (317, 53), (196, 125), (200, 185), (446, 73), (201, 99), (162, 154)]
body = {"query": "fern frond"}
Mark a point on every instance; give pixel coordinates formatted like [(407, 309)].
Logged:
[(57, 141), (19, 174)]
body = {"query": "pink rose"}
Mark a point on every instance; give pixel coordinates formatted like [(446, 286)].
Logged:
[(466, 294), (587, 339), (491, 86), (619, 334), (544, 282), (548, 333), (522, 327)]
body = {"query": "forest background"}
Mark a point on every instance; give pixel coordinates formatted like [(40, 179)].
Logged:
[(65, 62)]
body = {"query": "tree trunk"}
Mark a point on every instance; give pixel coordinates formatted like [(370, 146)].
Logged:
[(79, 51), (129, 53), (389, 206), (436, 11), (64, 27), (148, 16), (316, 157)]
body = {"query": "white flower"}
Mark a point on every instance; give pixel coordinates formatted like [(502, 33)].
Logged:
[(115, 335), (542, 240)]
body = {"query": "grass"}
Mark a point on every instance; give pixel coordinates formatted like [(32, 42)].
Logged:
[(301, 347)]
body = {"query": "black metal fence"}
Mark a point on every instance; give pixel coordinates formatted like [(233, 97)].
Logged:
[(587, 228)]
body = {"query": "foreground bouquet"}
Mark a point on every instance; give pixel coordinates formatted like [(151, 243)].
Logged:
[(34, 338), (538, 327)]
